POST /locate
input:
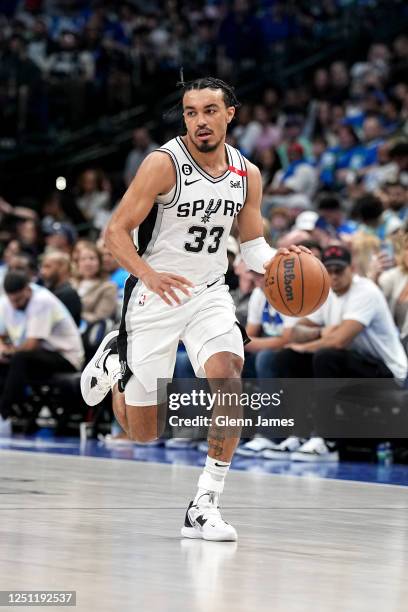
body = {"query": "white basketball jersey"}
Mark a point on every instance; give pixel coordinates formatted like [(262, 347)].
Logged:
[(186, 231)]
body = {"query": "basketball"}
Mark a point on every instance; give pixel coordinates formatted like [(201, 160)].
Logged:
[(296, 284)]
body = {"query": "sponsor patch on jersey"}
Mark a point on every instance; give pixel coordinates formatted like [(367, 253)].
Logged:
[(235, 184), (237, 171)]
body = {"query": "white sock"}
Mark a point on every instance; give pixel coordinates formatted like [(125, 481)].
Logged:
[(112, 364), (213, 477)]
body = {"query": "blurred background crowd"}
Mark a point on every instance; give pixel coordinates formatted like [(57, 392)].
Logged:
[(330, 138)]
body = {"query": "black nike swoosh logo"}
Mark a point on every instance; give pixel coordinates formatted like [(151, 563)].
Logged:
[(186, 182), (210, 285)]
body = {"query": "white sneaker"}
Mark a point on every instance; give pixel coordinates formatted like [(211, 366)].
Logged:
[(204, 521), (96, 380), (283, 450), (315, 449), (255, 447)]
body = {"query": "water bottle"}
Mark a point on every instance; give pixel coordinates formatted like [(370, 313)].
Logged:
[(384, 453)]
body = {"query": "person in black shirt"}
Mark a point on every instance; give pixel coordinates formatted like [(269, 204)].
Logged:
[(55, 273)]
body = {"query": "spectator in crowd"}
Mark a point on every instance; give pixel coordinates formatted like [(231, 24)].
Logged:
[(52, 209), (269, 135), (279, 223), (12, 249), (98, 296), (367, 256), (11, 216), (319, 146), (28, 233), (295, 186), (94, 198), (269, 163), (321, 84), (369, 211), (399, 155), (38, 336), (142, 146), (293, 134), (247, 131), (59, 236), (385, 170), (343, 160), (394, 197), (332, 219), (55, 273), (373, 133), (59, 206), (394, 284), (24, 263), (339, 77)]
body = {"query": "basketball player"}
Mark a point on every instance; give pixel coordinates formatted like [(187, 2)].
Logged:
[(183, 201)]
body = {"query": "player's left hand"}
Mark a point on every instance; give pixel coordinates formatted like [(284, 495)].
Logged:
[(293, 248)]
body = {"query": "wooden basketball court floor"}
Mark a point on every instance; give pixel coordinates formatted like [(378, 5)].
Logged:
[(110, 531)]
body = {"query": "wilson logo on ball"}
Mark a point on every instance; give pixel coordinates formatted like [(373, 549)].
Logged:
[(288, 278), (297, 284)]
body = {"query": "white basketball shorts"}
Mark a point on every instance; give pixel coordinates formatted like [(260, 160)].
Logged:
[(151, 330)]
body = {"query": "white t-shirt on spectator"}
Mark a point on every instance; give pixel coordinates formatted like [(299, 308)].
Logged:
[(303, 180), (260, 312), (246, 136), (45, 318), (364, 302)]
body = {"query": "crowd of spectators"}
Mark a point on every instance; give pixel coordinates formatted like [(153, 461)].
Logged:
[(63, 63), (333, 155)]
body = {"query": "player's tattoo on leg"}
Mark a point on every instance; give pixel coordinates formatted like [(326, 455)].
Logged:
[(216, 439)]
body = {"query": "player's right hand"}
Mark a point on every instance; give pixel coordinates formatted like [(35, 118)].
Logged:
[(164, 283)]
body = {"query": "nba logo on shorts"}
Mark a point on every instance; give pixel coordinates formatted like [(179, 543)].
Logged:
[(142, 299)]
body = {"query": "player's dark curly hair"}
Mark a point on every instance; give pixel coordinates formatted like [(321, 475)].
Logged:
[(230, 97), (228, 91)]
